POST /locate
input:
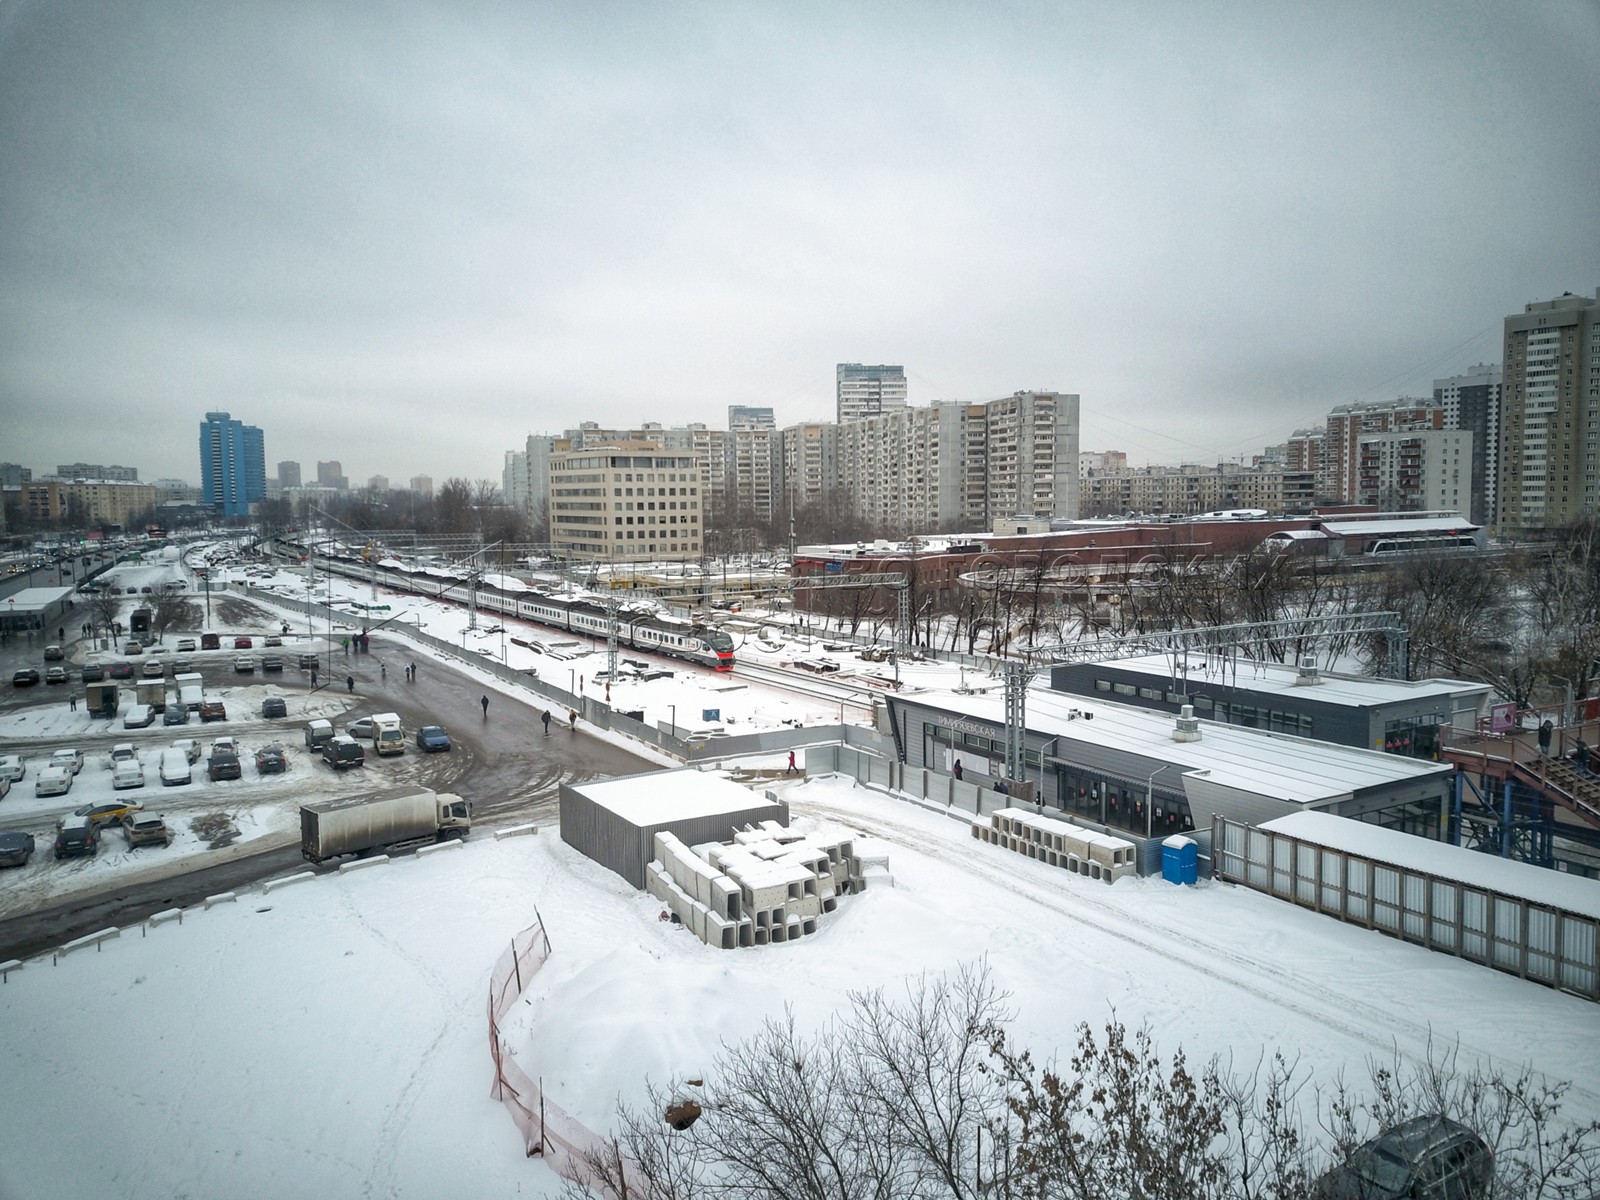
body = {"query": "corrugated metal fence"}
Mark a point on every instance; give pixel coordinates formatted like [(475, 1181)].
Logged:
[(1533, 941)]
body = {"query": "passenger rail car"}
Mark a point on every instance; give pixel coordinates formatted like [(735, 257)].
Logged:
[(638, 627)]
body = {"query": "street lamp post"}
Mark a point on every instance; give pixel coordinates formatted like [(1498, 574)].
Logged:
[(674, 709), (1149, 798)]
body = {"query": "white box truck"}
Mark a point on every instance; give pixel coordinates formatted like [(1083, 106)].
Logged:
[(387, 736), (191, 687), (381, 821)]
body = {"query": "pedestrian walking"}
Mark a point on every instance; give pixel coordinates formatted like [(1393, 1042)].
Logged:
[(313, 677), (792, 767), (383, 672), (485, 702), (1580, 757), (72, 703), (956, 770), (412, 667), (345, 642), (1545, 731), (350, 683), (572, 719), (545, 717)]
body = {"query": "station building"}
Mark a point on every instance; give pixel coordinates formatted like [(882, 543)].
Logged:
[(1153, 774), (1398, 716)]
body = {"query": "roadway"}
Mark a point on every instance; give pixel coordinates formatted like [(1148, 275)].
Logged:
[(502, 762)]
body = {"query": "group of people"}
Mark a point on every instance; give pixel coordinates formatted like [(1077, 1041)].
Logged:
[(1580, 751), (572, 719)]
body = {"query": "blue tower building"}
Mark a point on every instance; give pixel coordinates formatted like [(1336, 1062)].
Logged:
[(233, 465)]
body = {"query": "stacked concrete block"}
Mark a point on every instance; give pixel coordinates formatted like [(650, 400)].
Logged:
[(769, 885), (1059, 843)]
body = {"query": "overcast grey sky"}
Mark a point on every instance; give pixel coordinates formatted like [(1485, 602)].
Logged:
[(407, 235)]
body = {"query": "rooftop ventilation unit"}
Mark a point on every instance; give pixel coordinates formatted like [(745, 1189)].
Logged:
[(1188, 727)]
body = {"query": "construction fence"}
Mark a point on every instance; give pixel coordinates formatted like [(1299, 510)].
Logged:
[(547, 1130)]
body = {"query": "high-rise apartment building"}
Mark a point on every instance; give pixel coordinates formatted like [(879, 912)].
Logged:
[(525, 479), (422, 485), (1549, 468), (868, 391), (1341, 453), (1032, 455), (625, 503), (1471, 403), (233, 465), (378, 483), (755, 418), (1417, 470), (1098, 462), (331, 475), (288, 475)]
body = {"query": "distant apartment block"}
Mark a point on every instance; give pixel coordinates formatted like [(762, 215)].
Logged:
[(90, 502), (97, 471), (288, 475), (1471, 403), (1549, 461), (378, 483), (1192, 490), (1096, 462), (14, 475), (1418, 470), (422, 485), (1341, 454), (867, 391), (754, 418), (233, 465), (625, 503)]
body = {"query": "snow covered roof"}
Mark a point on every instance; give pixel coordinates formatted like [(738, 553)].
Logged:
[(1291, 769), (1391, 525), (34, 599), (673, 795), (1558, 889), (1355, 691), (1298, 535)]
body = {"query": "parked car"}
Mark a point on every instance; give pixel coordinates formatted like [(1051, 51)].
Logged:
[(433, 737), (360, 728), (76, 838), (1425, 1158), (186, 645), (120, 670), (189, 746), (127, 774), (272, 662), (139, 716), (318, 733), (182, 665), (175, 714), (133, 648), (224, 765), (243, 643), (109, 813), (153, 669), (54, 654), (94, 673), (15, 849), (343, 751), (146, 829), (225, 745), (210, 641), (123, 751), (27, 677), (274, 706), (175, 769), (271, 761), (212, 709), (272, 639), (308, 661), (12, 767), (69, 760), (244, 664), (5, 787), (52, 780)]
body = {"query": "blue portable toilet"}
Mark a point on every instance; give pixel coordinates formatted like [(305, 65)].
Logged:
[(1180, 859)]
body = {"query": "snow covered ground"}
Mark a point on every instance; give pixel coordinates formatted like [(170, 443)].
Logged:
[(330, 1039)]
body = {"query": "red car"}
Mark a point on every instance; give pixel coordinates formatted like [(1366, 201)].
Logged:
[(242, 643)]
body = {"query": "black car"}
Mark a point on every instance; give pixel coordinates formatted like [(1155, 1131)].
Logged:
[(121, 670), (432, 738), (15, 849), (273, 706), (271, 662), (270, 761), (94, 673), (27, 677), (343, 751), (1425, 1158), (175, 714), (222, 765), (77, 839)]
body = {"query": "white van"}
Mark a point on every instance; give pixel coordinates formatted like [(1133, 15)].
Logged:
[(175, 767), (387, 736)]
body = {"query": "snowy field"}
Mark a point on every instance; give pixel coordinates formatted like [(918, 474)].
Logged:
[(329, 1039)]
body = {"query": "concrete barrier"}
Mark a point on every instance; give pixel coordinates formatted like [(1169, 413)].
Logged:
[(515, 831), (161, 918), (273, 885), (377, 861), (220, 898), (88, 939), (10, 965), (453, 844)]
